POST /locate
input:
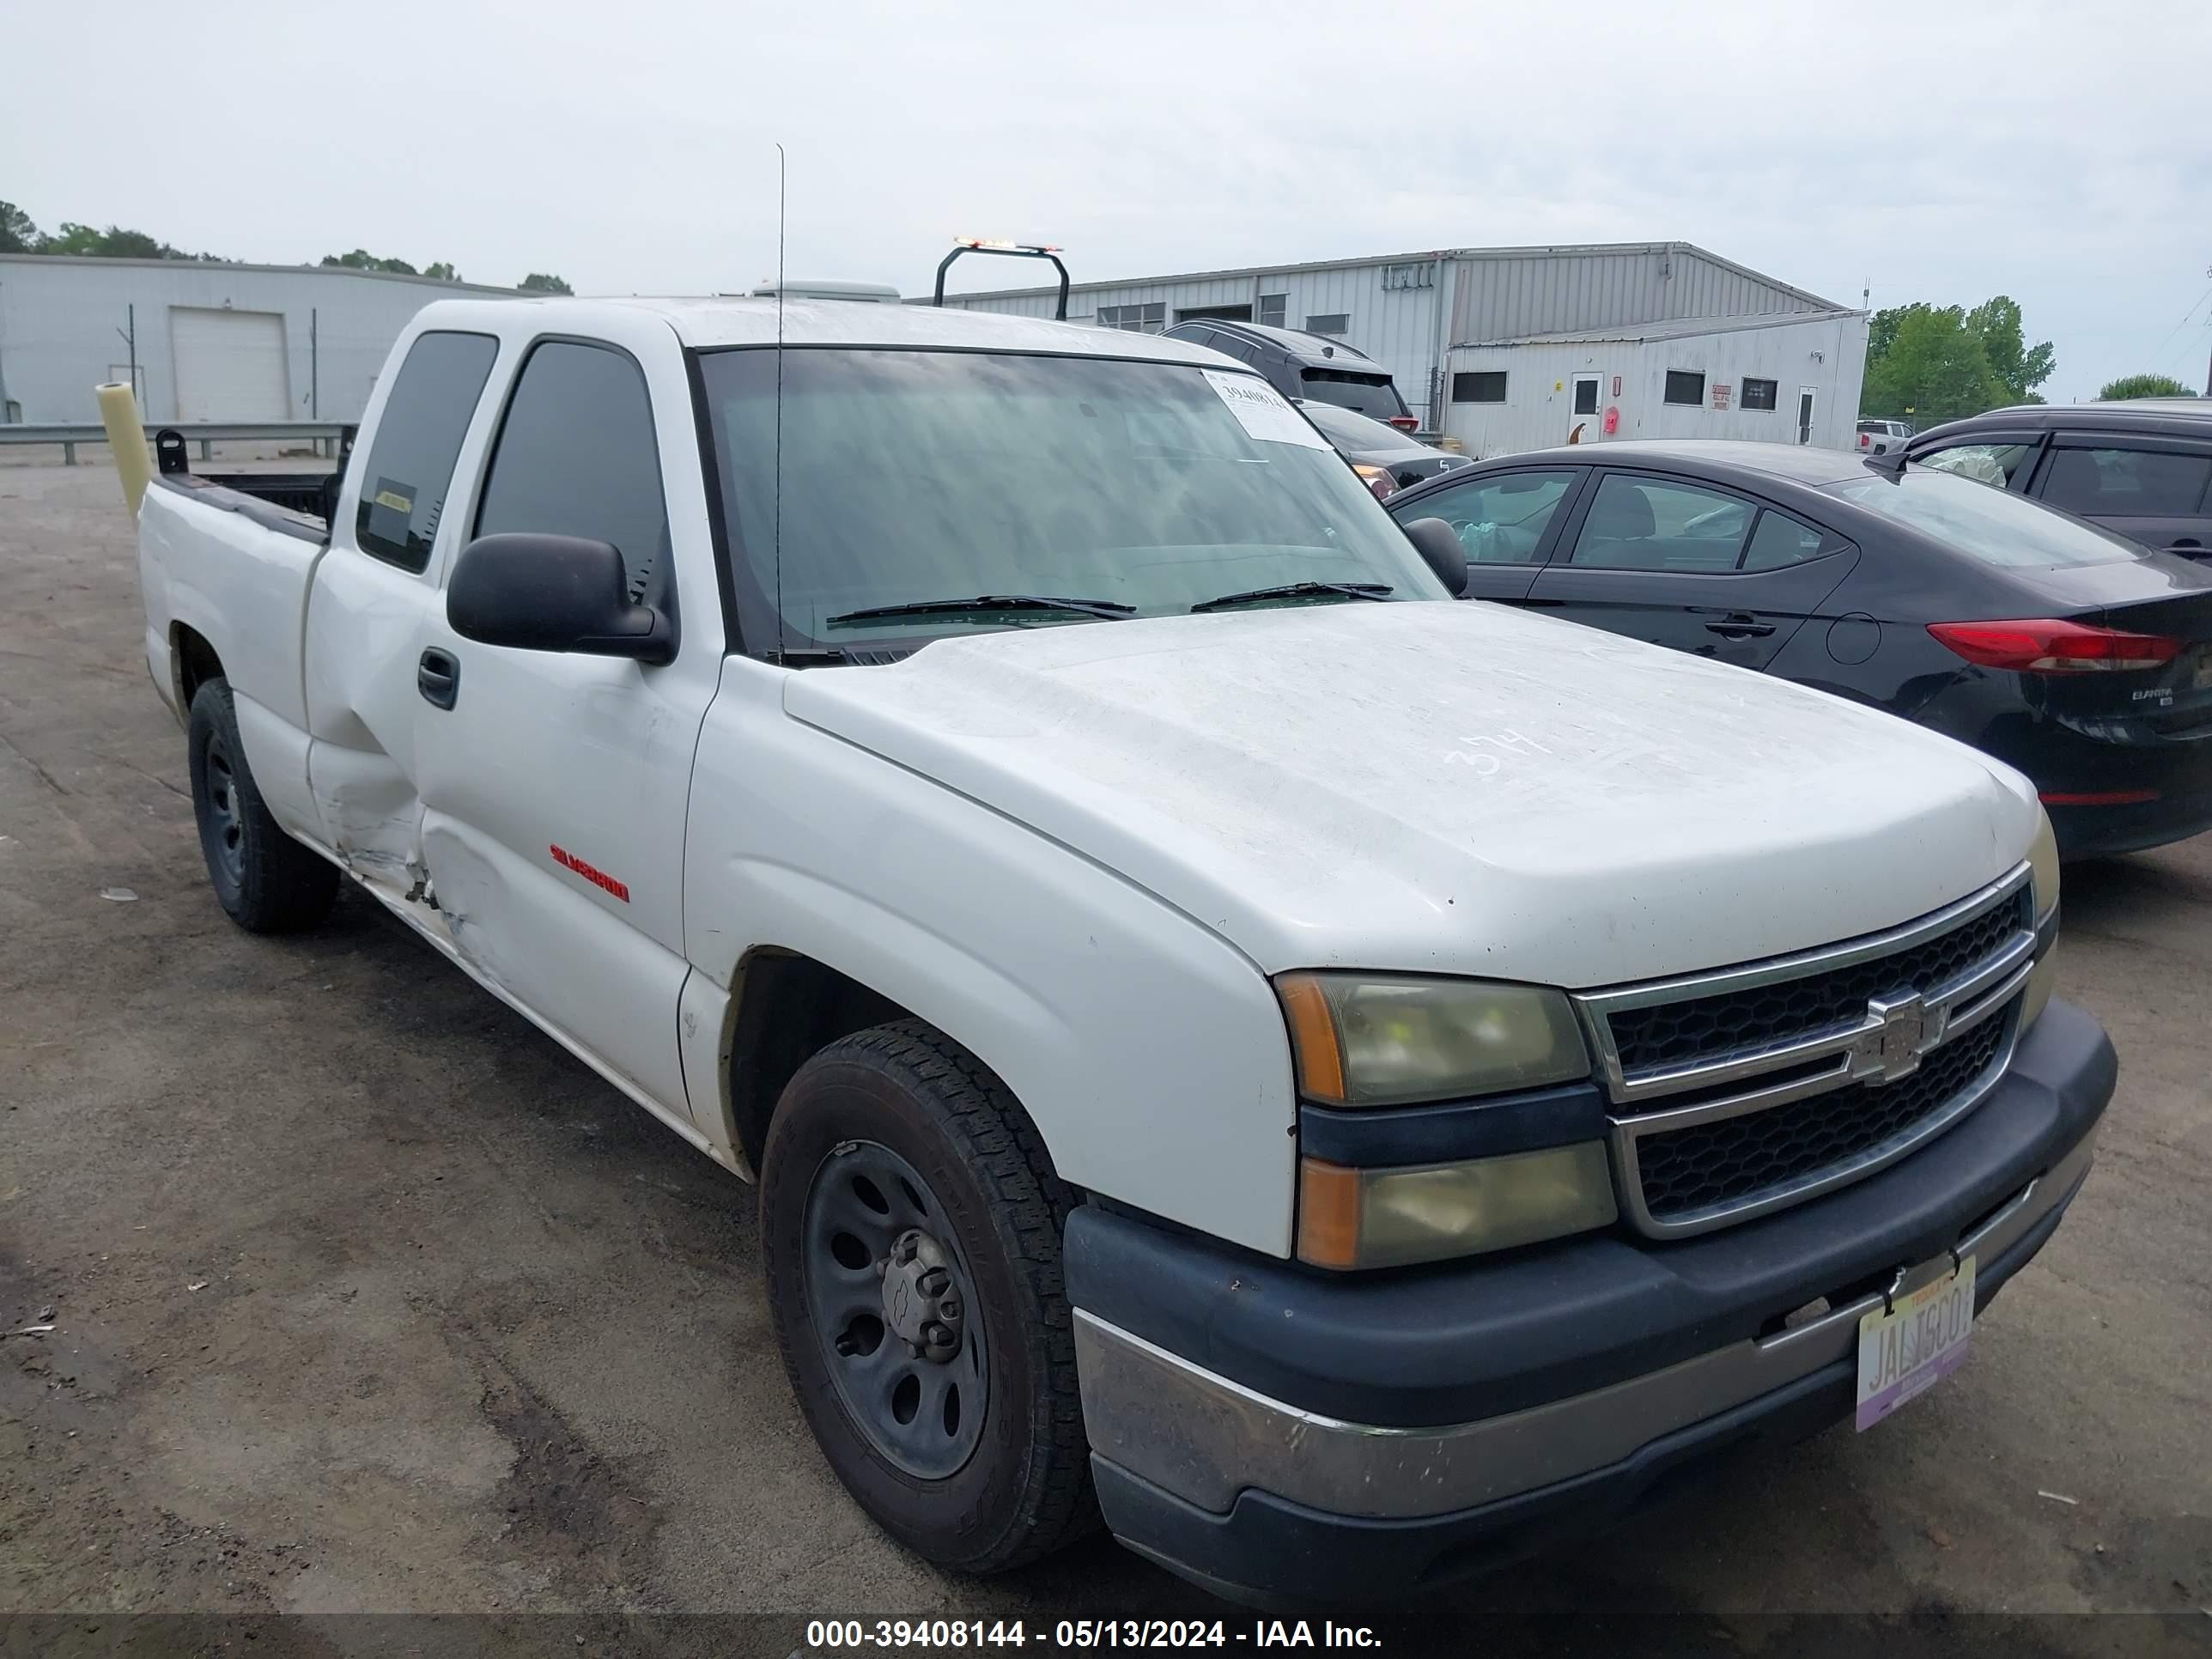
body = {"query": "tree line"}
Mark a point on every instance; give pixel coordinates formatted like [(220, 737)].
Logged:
[(18, 234), (1933, 363)]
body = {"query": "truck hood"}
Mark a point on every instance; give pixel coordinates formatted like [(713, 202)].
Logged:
[(1444, 788)]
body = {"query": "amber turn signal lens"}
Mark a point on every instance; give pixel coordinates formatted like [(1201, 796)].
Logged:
[(1313, 1035), (1329, 1215)]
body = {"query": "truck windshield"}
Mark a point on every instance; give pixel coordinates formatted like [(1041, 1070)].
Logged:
[(914, 477)]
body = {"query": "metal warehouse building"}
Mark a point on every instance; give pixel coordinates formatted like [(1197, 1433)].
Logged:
[(209, 342), (1518, 348)]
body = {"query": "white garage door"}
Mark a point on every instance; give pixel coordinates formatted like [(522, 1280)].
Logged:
[(230, 365)]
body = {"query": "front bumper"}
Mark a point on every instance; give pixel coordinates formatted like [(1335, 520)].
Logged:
[(1273, 1433)]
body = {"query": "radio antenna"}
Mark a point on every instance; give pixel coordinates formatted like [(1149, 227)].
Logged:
[(778, 493)]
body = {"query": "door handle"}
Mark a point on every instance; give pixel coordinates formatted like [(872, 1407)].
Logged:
[(1739, 625), (438, 677)]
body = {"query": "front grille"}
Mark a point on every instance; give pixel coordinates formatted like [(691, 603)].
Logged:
[(1734, 1160), (1683, 1033)]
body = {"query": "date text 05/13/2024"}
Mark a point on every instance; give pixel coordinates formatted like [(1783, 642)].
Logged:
[(835, 1635)]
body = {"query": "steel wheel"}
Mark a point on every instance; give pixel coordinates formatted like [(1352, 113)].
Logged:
[(893, 1309), (222, 833)]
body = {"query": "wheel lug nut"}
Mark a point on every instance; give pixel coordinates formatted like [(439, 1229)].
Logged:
[(935, 1281)]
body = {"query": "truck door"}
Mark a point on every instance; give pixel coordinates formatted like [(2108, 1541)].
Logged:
[(1691, 566), (554, 785), (374, 592)]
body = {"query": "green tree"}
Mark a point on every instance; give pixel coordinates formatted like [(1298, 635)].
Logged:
[(443, 271), (361, 260), (2144, 386), (113, 243), (17, 234), (1933, 367), (538, 283), (2019, 370)]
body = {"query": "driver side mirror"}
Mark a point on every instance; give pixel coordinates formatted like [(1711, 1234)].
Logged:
[(541, 592), (1439, 544)]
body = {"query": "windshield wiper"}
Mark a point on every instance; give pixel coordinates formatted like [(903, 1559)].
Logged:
[(1106, 610), (1298, 590)]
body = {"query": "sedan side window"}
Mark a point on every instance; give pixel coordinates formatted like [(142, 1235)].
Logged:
[(1643, 524), (2122, 482), (1988, 464), (1501, 519), (1778, 540)]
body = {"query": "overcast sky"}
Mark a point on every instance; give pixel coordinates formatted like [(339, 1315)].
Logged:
[(1942, 152)]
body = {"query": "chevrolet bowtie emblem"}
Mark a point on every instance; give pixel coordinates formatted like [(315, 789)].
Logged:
[(1890, 1044)]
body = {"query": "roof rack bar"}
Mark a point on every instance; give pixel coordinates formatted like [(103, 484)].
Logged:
[(1011, 250)]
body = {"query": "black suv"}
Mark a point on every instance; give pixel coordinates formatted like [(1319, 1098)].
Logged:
[(1305, 366), (2142, 468)]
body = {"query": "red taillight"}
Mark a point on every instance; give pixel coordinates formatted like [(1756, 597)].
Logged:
[(2053, 647), (1405, 423), (1864, 440), (2099, 798)]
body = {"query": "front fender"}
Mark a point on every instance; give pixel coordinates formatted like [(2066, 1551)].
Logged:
[(1148, 1051)]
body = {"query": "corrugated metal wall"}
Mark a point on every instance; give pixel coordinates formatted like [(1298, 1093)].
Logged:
[(58, 318), (1827, 353), (1503, 294)]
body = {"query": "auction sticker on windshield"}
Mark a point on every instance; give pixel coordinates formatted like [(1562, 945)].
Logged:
[(1262, 412), (1923, 1339)]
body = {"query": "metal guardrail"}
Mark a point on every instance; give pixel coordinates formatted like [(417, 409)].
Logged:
[(326, 435)]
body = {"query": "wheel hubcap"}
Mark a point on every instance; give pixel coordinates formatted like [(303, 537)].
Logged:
[(225, 834), (889, 1291)]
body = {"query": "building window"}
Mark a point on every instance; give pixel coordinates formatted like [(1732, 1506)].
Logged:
[(1137, 319), (1759, 394), (1685, 387), (1334, 322), (1478, 386), (1415, 273), (1275, 310)]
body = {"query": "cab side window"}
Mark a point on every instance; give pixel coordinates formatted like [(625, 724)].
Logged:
[(418, 439), (576, 456)]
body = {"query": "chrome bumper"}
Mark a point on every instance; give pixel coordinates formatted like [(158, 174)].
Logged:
[(1206, 1438)]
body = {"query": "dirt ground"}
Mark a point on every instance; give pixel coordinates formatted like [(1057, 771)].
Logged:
[(367, 1299)]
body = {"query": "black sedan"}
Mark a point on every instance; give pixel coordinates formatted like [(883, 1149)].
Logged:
[(2078, 657), (1384, 458)]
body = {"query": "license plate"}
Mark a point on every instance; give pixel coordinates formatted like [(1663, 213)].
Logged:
[(1905, 1352)]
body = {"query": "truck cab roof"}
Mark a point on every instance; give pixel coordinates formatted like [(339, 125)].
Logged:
[(708, 323)]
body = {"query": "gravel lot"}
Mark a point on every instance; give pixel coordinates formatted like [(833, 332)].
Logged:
[(368, 1298)]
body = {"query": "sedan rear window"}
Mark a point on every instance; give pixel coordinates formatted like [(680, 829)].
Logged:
[(1991, 525)]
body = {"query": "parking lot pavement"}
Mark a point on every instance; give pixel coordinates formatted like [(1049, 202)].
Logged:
[(365, 1296)]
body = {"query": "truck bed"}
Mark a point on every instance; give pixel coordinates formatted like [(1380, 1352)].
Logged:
[(303, 499)]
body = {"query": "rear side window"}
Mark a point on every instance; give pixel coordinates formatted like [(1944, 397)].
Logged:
[(1988, 464), (575, 455), (1992, 525), (418, 439), (2122, 483), (1778, 540), (1643, 524), (1501, 519)]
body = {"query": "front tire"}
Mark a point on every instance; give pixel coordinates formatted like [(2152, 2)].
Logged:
[(265, 881), (910, 1225)]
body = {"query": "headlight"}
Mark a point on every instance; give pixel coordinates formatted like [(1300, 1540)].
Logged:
[(1390, 1218), (1370, 1039)]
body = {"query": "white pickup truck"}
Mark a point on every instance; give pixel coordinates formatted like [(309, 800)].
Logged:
[(1346, 1086)]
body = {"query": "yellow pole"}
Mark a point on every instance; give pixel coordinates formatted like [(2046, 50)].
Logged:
[(126, 436)]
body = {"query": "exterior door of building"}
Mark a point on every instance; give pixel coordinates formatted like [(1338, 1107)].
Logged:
[(1584, 424), (1807, 396)]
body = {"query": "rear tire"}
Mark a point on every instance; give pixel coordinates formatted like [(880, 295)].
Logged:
[(968, 1445), (265, 881)]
